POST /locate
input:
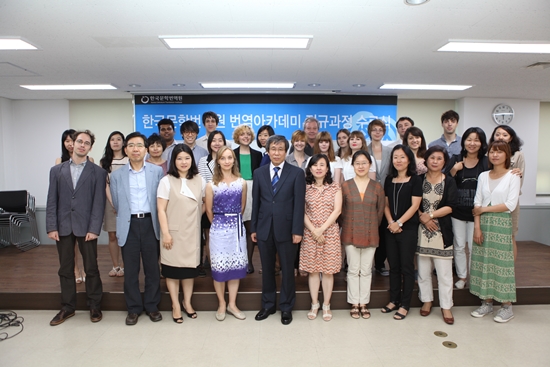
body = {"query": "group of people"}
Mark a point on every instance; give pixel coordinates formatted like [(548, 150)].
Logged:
[(310, 209)]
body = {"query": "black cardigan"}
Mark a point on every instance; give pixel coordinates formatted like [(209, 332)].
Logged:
[(255, 158), (449, 198)]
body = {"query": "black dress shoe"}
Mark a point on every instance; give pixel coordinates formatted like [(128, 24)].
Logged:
[(61, 317), (95, 315), (264, 313), (154, 316), (132, 319), (286, 317)]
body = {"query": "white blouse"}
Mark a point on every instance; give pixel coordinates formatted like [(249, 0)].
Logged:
[(163, 190), (506, 192), (349, 172)]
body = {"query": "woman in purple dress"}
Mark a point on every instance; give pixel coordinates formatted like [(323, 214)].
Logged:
[(225, 203)]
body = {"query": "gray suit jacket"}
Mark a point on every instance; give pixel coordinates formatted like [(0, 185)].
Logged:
[(382, 171), (76, 210), (120, 193)]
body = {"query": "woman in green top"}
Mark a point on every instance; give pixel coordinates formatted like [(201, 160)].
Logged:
[(248, 160)]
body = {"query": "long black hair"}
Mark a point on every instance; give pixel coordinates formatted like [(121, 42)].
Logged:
[(515, 143), (108, 154), (173, 170), (65, 155), (482, 138), (327, 180), (411, 168)]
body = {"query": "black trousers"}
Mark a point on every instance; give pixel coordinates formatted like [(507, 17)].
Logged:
[(287, 256), (401, 248), (94, 287), (141, 246), (380, 254)]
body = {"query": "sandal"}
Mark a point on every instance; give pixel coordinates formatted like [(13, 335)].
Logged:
[(120, 272), (327, 315), (400, 316), (312, 314), (354, 312), (386, 309), (365, 313), (113, 272)]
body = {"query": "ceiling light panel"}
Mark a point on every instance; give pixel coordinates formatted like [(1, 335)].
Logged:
[(247, 85), (232, 42), (500, 47), (69, 87), (15, 44), (425, 86)]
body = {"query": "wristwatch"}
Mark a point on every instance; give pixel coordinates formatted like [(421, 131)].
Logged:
[(400, 224), (431, 216)]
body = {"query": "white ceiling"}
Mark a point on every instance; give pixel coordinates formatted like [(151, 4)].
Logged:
[(369, 42)]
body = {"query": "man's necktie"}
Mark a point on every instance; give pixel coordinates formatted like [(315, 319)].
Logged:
[(275, 179)]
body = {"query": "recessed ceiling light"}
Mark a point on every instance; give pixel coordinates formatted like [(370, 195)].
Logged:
[(15, 44), (426, 86), (359, 85), (178, 85), (134, 85), (502, 47), (69, 87), (202, 42), (416, 2), (249, 85), (314, 85)]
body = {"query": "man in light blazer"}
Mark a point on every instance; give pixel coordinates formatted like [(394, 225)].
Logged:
[(278, 200), (134, 195), (74, 211)]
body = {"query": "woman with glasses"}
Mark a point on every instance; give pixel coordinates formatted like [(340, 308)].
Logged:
[(362, 211), (466, 168)]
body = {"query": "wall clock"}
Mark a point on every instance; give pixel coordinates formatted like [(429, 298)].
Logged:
[(503, 114)]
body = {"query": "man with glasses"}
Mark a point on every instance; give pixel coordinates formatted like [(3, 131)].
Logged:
[(134, 194), (189, 131), (74, 211)]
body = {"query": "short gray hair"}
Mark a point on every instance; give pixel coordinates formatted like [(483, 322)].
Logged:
[(312, 119), (276, 139)]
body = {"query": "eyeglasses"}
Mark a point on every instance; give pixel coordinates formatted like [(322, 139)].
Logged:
[(189, 133), (138, 145), (361, 163), (82, 142)]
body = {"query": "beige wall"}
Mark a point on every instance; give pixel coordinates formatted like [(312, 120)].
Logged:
[(101, 116), (543, 169), (426, 114)]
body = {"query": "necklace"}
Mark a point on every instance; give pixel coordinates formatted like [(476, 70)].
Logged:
[(396, 199)]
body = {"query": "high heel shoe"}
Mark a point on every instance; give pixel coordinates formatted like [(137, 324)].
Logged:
[(192, 315), (177, 320), (424, 312), (312, 314), (448, 320), (327, 314)]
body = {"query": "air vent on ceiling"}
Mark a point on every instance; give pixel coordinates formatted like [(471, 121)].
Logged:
[(539, 65)]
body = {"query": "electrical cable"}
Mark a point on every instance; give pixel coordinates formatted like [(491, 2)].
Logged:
[(9, 318)]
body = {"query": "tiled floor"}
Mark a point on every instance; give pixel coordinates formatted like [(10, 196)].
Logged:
[(379, 341)]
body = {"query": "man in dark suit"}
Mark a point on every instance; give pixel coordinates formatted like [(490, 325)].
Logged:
[(277, 225), (74, 211), (134, 194)]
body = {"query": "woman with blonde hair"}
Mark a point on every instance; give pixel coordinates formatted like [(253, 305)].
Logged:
[(248, 160), (225, 204)]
